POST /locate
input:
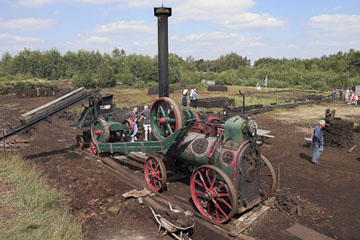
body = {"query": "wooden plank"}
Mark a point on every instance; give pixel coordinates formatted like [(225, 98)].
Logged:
[(51, 103), (351, 149), (268, 136), (246, 220), (261, 132), (305, 233)]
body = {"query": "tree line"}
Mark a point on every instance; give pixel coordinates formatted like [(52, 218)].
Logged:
[(94, 69)]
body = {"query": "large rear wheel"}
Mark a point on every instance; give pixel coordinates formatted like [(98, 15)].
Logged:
[(166, 117), (267, 178), (213, 193)]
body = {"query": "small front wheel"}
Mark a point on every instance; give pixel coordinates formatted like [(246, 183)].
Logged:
[(155, 173)]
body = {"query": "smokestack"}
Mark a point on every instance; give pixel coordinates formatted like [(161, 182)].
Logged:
[(162, 14)]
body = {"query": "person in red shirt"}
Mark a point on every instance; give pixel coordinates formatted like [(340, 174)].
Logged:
[(133, 117)]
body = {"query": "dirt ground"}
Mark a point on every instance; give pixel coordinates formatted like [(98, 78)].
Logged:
[(329, 191)]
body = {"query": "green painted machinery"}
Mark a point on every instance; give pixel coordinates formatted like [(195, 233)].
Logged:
[(228, 172)]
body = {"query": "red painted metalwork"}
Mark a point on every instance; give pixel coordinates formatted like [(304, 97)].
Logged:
[(132, 127), (154, 174), (213, 150), (198, 127), (214, 199), (80, 142), (93, 149), (267, 178), (162, 120), (97, 132), (221, 158), (192, 150)]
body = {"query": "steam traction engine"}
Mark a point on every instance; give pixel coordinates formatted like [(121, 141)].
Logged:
[(231, 175)]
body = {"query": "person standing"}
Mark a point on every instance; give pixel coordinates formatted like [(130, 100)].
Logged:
[(191, 98), (318, 142), (333, 95), (347, 94), (184, 100), (132, 117), (195, 99), (341, 93), (146, 124)]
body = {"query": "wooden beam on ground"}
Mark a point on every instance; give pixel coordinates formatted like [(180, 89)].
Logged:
[(261, 132), (246, 220), (351, 149), (305, 233)]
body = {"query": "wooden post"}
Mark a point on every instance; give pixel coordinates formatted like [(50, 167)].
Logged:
[(278, 181), (4, 144)]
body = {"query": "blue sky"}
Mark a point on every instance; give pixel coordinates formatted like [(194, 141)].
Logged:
[(201, 28)]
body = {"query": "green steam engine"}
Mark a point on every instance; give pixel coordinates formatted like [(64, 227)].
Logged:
[(228, 172)]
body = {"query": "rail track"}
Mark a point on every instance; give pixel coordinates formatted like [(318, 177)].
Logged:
[(129, 170)]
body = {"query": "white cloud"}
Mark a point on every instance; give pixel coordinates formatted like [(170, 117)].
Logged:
[(210, 45), (125, 28), (252, 21), (209, 9), (229, 13), (336, 25), (95, 39), (13, 44), (11, 38), (324, 43), (147, 3), (123, 3), (27, 24), (214, 36)]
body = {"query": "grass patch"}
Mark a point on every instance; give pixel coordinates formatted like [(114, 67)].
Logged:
[(70, 149), (114, 208), (38, 213), (12, 105), (78, 110)]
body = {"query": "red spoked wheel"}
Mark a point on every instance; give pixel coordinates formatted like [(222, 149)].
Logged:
[(128, 129), (93, 148), (267, 178), (80, 142), (213, 193), (155, 173)]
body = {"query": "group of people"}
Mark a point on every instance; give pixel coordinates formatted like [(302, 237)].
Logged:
[(135, 118), (144, 114), (193, 97), (350, 96)]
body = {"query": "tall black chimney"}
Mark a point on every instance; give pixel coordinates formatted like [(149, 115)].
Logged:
[(162, 14)]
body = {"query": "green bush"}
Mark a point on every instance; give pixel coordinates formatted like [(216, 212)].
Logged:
[(83, 80), (140, 84), (49, 85), (126, 78), (23, 85), (3, 89)]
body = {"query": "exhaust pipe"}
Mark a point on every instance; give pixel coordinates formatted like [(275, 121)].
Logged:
[(163, 14)]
